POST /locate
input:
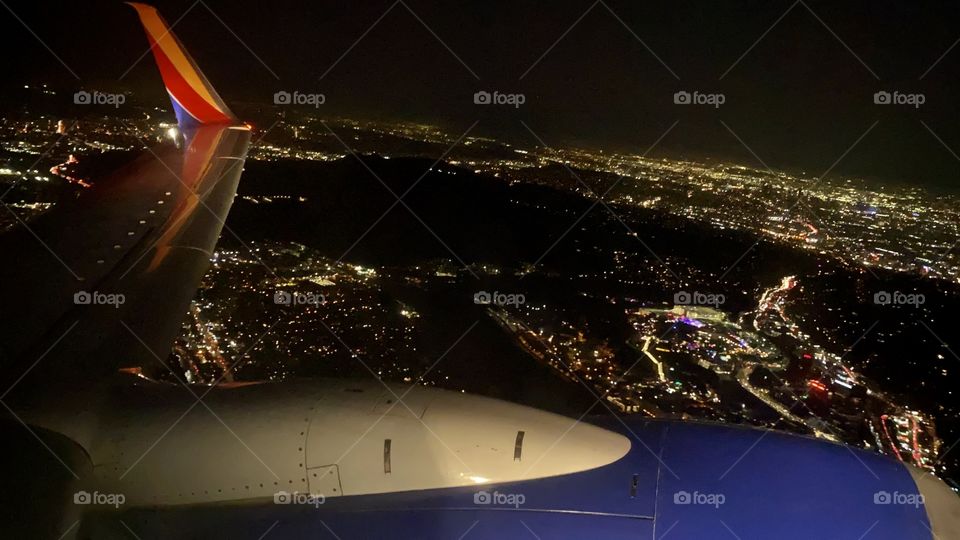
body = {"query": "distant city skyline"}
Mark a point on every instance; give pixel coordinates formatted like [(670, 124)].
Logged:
[(902, 228), (798, 80)]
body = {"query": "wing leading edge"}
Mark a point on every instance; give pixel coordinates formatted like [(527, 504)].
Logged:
[(103, 279)]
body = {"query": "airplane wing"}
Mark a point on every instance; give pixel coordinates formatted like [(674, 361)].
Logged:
[(142, 236)]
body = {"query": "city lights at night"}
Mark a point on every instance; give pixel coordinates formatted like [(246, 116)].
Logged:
[(415, 270)]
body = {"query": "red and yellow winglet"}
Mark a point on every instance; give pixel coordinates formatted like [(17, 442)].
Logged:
[(195, 102)]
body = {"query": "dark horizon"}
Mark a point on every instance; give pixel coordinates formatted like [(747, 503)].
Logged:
[(798, 79)]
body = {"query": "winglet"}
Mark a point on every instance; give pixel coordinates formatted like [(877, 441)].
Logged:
[(195, 102)]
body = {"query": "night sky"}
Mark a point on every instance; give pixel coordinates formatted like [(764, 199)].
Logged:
[(798, 100)]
